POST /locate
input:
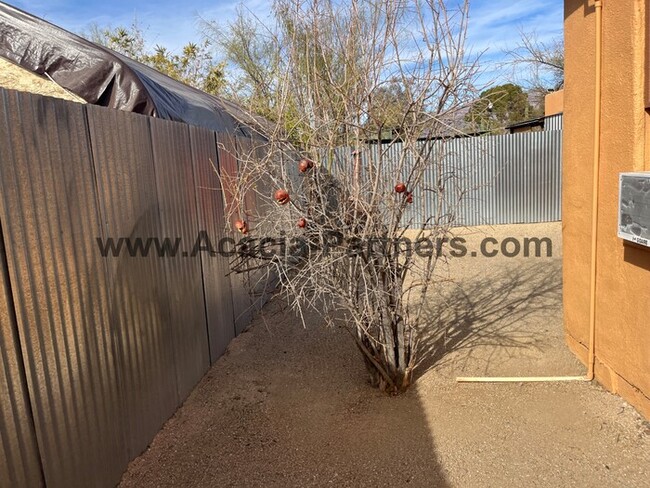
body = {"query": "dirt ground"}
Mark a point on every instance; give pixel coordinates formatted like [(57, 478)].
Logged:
[(288, 406), (17, 78)]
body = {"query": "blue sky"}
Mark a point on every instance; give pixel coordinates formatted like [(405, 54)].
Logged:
[(494, 24)]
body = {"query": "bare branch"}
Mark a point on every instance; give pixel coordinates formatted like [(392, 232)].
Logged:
[(326, 206)]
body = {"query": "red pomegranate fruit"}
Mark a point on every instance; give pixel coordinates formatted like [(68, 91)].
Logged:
[(241, 226), (409, 197), (305, 164), (400, 188), (302, 223), (282, 196)]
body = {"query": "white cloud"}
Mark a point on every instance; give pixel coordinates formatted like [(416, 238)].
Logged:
[(493, 27)]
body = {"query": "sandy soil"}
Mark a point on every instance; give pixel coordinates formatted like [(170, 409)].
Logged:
[(14, 77), (288, 406)]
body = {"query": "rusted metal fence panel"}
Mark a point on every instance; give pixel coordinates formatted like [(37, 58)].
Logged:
[(263, 205), (210, 208), (20, 463), (50, 215), (258, 282), (227, 153), (177, 198), (138, 292), (113, 325)]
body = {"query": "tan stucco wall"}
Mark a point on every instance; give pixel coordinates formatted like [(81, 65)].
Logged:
[(623, 276), (554, 103)]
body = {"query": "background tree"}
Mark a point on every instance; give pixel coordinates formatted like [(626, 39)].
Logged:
[(499, 107), (388, 106), (539, 64), (328, 72), (194, 66), (251, 52), (257, 54)]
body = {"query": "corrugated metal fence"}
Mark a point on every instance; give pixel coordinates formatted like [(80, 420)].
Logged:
[(96, 353), (490, 180), (553, 122)]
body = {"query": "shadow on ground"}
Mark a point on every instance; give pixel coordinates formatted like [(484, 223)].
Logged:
[(491, 318), (291, 407), (288, 406)]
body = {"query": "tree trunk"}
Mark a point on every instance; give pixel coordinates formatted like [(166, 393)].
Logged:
[(396, 383), (391, 379)]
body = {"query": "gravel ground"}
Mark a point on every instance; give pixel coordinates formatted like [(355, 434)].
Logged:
[(287, 406)]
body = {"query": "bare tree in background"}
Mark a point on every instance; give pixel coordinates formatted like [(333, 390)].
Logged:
[(542, 63), (332, 76)]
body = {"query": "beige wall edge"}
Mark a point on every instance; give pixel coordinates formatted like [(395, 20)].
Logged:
[(554, 103)]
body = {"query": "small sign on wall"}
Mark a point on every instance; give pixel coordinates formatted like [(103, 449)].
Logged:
[(634, 208)]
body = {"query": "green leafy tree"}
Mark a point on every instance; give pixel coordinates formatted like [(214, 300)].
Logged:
[(194, 66), (254, 59), (389, 110), (298, 51), (499, 107)]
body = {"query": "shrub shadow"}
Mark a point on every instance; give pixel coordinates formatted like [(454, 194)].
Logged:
[(501, 311)]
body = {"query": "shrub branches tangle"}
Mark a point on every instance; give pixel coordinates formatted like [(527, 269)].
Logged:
[(335, 79)]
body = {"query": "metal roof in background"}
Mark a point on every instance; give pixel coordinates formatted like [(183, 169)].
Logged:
[(536, 122)]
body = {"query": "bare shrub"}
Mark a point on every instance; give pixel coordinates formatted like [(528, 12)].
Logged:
[(335, 205)]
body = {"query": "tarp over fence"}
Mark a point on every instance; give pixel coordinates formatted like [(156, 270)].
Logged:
[(103, 77)]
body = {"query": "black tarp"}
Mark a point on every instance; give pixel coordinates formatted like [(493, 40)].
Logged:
[(103, 77)]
